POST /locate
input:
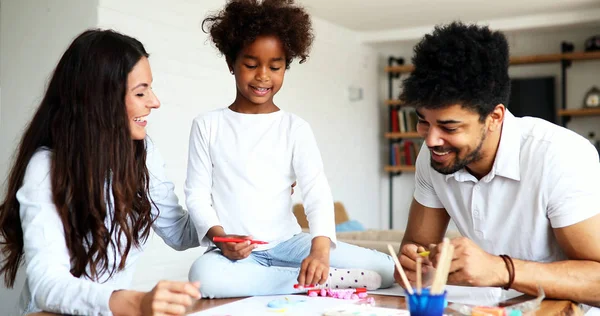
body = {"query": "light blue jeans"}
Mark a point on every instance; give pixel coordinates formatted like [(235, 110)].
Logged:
[(275, 271)]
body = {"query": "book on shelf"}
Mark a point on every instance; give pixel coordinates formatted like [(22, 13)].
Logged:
[(403, 120), (405, 153)]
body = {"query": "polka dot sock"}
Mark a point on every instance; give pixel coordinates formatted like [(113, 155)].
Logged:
[(352, 278)]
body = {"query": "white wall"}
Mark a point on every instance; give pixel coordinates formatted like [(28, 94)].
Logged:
[(581, 77), (33, 36), (191, 78)]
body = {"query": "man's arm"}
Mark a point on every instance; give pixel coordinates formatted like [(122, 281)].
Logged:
[(575, 279), (573, 211), (425, 226), (578, 278)]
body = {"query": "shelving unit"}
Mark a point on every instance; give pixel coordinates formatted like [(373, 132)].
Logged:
[(394, 137), (396, 68), (521, 60), (399, 168), (579, 112), (401, 135)]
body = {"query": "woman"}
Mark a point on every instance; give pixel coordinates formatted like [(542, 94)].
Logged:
[(86, 187)]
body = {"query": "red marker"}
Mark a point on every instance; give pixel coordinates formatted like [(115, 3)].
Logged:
[(299, 286), (230, 239)]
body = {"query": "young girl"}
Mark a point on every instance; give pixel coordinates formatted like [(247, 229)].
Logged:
[(243, 159), (87, 186)]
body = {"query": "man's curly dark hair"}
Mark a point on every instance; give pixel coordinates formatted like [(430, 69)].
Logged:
[(459, 64), (242, 21)]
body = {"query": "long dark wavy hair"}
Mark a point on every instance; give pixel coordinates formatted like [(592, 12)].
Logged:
[(83, 121)]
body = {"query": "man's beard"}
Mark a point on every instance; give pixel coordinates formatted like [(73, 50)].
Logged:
[(459, 163)]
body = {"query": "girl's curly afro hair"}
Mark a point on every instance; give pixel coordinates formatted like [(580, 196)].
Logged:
[(242, 21), (459, 64)]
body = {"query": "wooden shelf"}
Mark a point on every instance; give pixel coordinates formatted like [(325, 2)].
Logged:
[(579, 112), (401, 168), (393, 102), (402, 135), (520, 60), (400, 69), (553, 58)]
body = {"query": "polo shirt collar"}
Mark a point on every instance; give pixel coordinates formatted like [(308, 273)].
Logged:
[(507, 162)]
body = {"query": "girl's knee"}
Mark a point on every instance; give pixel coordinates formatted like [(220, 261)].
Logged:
[(387, 272), (387, 280), (213, 278), (197, 270)]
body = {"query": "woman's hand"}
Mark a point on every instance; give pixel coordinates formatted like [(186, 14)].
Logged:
[(170, 298), (166, 298)]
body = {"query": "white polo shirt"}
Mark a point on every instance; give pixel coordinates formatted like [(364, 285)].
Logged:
[(544, 177)]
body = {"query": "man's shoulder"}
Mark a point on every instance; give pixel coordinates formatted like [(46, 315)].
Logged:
[(538, 130), (540, 137)]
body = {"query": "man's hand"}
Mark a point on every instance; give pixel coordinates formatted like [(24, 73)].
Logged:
[(236, 250), (315, 268), (408, 260), (471, 266)]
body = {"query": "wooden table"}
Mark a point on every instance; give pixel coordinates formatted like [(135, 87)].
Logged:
[(549, 307)]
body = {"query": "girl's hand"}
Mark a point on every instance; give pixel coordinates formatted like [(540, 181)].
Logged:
[(315, 268), (236, 250), (170, 298)]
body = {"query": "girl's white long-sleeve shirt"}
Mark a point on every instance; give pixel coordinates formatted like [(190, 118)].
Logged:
[(240, 169), (50, 286)]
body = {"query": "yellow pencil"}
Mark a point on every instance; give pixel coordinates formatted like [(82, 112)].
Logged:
[(424, 253)]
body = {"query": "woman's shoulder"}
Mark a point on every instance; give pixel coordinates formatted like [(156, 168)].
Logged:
[(38, 168), (153, 155)]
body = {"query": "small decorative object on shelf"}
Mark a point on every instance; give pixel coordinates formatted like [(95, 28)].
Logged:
[(591, 138), (594, 141), (592, 98), (592, 43)]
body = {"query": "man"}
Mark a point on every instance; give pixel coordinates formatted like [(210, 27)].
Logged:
[(520, 187)]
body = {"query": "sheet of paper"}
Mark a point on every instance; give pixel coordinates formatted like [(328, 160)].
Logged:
[(486, 296), (296, 305)]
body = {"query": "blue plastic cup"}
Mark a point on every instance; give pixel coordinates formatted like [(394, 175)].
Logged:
[(426, 304)]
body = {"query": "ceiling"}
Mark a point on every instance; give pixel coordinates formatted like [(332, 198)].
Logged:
[(384, 15)]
